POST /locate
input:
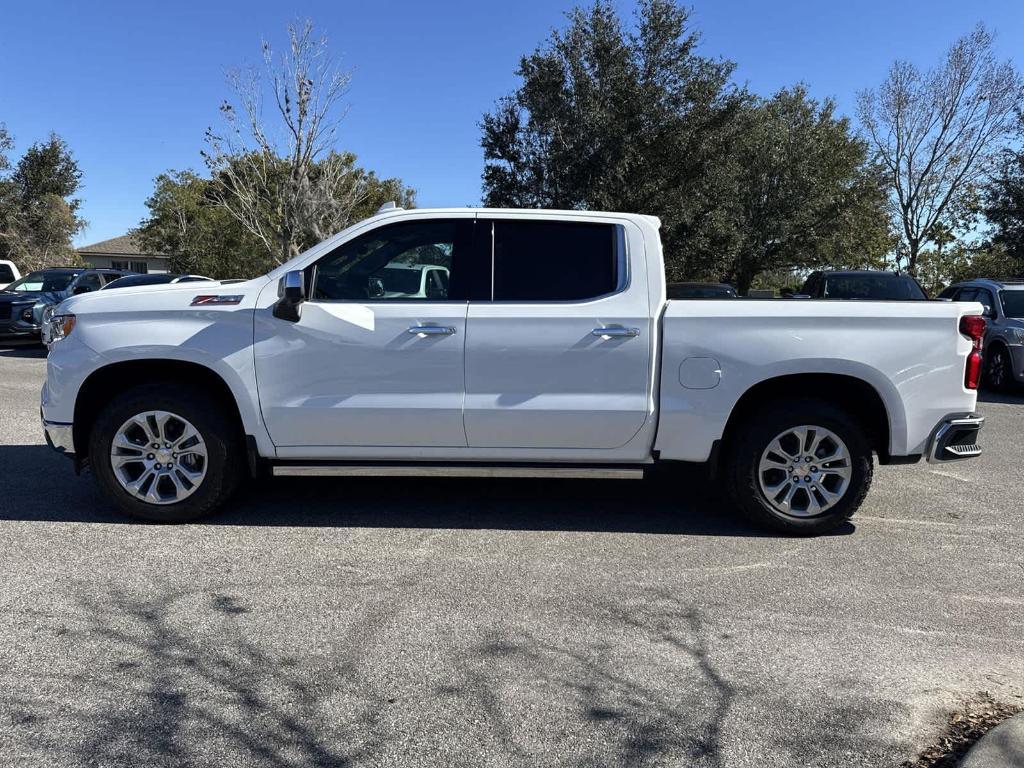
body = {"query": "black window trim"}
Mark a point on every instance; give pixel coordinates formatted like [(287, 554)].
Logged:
[(624, 276)]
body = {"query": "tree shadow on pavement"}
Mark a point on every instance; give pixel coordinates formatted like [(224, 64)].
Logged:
[(152, 688), (38, 484), (197, 678)]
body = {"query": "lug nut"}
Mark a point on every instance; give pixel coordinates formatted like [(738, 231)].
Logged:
[(158, 466), (156, 445), (151, 456)]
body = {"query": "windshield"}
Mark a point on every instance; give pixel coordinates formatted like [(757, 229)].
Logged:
[(45, 282), (1013, 303), (873, 287)]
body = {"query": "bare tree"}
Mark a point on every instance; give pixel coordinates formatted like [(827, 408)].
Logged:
[(937, 133), (281, 178)]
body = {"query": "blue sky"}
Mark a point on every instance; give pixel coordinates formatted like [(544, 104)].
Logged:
[(133, 85)]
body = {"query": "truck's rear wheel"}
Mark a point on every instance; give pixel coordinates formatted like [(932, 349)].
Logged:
[(800, 467), (164, 454)]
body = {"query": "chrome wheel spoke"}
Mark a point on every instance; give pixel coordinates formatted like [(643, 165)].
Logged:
[(842, 471), (120, 460)]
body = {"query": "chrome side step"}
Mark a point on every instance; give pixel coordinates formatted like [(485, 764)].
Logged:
[(457, 470)]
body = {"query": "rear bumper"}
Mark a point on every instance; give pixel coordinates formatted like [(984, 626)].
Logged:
[(956, 438)]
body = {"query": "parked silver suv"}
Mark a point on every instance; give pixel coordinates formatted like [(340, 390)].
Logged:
[(1004, 337)]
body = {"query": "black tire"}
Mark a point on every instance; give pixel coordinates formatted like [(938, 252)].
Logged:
[(224, 462), (747, 445), (998, 369)]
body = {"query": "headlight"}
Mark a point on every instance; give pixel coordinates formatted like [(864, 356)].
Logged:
[(60, 326), (1015, 335)]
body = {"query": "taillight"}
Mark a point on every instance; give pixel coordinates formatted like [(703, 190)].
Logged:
[(973, 327)]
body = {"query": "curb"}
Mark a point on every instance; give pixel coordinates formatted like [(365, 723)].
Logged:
[(1002, 747)]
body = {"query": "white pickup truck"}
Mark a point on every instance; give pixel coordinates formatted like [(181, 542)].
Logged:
[(549, 349)]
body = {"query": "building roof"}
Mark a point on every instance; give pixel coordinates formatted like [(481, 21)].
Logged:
[(125, 245)]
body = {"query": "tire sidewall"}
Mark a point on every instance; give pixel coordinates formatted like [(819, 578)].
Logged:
[(198, 409), (1007, 373), (768, 424)]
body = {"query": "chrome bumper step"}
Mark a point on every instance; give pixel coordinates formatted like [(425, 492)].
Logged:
[(956, 438)]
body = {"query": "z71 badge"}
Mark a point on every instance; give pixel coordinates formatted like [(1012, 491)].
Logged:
[(207, 300)]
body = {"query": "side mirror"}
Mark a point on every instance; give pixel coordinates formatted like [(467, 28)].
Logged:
[(374, 287), (81, 289), (291, 292), (986, 311)]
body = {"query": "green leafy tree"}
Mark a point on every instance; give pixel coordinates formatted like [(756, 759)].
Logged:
[(38, 210), (636, 121), (1004, 209), (611, 119), (805, 195)]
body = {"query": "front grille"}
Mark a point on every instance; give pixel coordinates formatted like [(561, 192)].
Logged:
[(5, 310)]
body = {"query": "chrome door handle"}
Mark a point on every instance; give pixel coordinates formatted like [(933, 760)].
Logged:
[(432, 330), (616, 332)]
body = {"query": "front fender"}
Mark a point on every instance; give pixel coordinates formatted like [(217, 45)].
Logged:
[(217, 338)]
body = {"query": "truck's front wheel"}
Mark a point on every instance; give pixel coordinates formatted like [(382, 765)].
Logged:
[(164, 454), (800, 467)]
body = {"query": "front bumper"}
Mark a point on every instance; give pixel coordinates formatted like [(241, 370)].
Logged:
[(59, 436), (19, 329), (956, 438)]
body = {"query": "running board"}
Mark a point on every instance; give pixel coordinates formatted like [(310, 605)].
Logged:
[(457, 470)]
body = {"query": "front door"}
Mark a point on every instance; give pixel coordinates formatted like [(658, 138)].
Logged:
[(561, 358), (377, 357)]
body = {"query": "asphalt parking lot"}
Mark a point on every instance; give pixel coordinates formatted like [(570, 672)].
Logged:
[(512, 623)]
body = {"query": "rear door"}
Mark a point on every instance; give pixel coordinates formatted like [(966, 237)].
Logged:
[(560, 356)]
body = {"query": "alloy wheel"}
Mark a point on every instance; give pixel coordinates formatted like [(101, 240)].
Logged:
[(805, 471), (158, 457)]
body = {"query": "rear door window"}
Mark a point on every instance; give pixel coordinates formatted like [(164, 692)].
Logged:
[(554, 260), (6, 274)]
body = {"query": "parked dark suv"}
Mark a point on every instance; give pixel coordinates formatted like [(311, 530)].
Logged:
[(1004, 337), (23, 302), (865, 284)]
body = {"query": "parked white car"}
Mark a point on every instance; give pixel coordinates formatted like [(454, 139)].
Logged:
[(551, 351), (8, 273)]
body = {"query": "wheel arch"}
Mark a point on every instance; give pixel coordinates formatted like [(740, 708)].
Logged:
[(114, 378), (852, 394)]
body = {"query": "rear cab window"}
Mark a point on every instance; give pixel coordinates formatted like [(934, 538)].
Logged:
[(555, 260)]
